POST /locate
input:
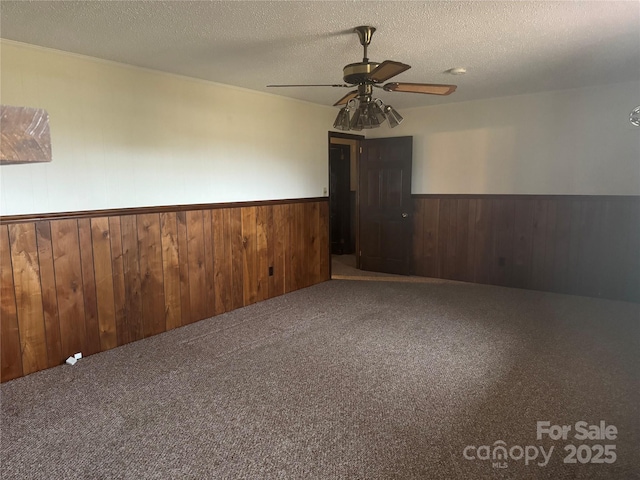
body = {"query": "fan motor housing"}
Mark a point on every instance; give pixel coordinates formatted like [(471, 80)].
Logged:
[(358, 72)]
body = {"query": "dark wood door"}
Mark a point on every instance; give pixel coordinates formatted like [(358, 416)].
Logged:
[(339, 202), (385, 205)]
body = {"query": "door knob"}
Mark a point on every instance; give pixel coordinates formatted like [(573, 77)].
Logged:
[(405, 215)]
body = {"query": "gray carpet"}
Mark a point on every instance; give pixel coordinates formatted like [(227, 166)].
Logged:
[(345, 266), (347, 379)]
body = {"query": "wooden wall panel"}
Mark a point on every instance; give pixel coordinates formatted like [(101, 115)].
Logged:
[(470, 275), (185, 294), (484, 249), (431, 212), (294, 220), (11, 356), (562, 243), (28, 297), (307, 239), (223, 268), (592, 216), (210, 300), (91, 283), (281, 249), (151, 277), (576, 230), (303, 245), (132, 321), (445, 245), (264, 249), (632, 259), (611, 281), (577, 245), (49, 299), (270, 231), (522, 243), (249, 255), (460, 261), (298, 246), (92, 325), (621, 240), (538, 245), (285, 219), (170, 270), (196, 265), (237, 258), (503, 220), (117, 269), (323, 229), (103, 271), (417, 242), (293, 279), (550, 245), (69, 288), (313, 267)]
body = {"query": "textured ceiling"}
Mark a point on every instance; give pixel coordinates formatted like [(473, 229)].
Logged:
[(508, 48)]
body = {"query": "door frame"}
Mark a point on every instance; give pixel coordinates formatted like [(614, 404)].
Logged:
[(357, 139)]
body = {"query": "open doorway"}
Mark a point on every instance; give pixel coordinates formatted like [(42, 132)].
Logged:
[(341, 210), (343, 199)]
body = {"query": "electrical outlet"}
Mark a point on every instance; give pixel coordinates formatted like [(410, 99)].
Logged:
[(324, 191), (271, 271)]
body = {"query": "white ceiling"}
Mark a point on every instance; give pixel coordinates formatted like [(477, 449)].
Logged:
[(511, 47)]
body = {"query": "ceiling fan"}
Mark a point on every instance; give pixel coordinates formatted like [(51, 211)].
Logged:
[(369, 112)]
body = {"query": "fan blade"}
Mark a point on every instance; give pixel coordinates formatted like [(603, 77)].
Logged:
[(314, 85), (344, 100), (428, 88), (386, 70)]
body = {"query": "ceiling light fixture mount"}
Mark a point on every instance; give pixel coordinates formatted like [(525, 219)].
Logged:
[(457, 71)]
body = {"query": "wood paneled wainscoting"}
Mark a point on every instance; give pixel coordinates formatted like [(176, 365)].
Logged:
[(583, 245), (91, 281)]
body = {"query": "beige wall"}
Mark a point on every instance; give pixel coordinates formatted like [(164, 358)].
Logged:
[(127, 137), (565, 142)]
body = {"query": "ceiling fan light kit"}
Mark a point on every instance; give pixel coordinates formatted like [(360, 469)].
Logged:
[(393, 116), (361, 110), (369, 114)]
